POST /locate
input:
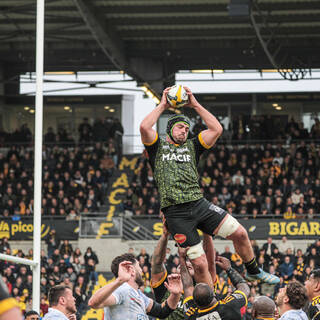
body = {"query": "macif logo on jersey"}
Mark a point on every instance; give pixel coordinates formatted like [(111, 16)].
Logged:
[(176, 157)]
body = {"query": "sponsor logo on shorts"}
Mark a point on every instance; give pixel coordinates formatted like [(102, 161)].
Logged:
[(180, 238), (216, 209)]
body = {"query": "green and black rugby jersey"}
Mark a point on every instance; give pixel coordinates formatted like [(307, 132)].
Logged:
[(175, 169), (161, 294)]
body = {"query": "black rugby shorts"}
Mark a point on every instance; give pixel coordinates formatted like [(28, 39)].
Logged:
[(184, 219)]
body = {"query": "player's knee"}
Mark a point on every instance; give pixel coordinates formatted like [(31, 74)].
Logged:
[(196, 251), (200, 264), (228, 228)]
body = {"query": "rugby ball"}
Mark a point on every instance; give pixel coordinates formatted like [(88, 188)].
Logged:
[(177, 96)]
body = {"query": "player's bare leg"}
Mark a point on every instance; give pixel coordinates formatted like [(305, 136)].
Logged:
[(201, 270), (231, 229), (242, 244)]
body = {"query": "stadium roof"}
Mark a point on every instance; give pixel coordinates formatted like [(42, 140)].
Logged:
[(152, 39)]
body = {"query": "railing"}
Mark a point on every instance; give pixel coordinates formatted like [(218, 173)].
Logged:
[(149, 216), (136, 231), (222, 140), (131, 144), (244, 216)]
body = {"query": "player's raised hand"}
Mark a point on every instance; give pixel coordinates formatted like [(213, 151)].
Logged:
[(164, 102), (223, 263), (192, 100), (174, 284), (72, 317), (125, 270)]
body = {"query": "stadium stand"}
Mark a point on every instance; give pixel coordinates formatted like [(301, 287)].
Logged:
[(77, 183), (285, 177), (274, 179), (251, 181), (63, 266)]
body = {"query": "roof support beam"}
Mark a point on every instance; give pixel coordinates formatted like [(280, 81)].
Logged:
[(104, 34), (142, 70)]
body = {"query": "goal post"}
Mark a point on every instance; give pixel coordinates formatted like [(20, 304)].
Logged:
[(35, 263), (38, 156)]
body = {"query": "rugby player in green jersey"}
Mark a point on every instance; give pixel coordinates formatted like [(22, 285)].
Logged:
[(159, 272), (174, 163)]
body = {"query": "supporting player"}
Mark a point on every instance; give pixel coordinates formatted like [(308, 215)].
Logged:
[(122, 299), (290, 301), (31, 315), (62, 304), (263, 308), (201, 302), (9, 308), (313, 290), (174, 163), (159, 273)]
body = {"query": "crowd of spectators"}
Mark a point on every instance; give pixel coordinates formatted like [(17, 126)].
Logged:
[(108, 131), (242, 127), (101, 130), (74, 180), (250, 181), (261, 127), (22, 134), (62, 265), (284, 260)]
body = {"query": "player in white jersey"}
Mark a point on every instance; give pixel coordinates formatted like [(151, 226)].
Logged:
[(290, 301), (122, 299)]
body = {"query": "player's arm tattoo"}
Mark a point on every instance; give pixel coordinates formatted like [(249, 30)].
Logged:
[(186, 279), (210, 252), (159, 255), (237, 280)]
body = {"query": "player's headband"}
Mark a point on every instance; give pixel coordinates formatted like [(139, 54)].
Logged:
[(173, 121)]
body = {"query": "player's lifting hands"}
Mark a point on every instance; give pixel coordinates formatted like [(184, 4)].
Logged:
[(174, 284)]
